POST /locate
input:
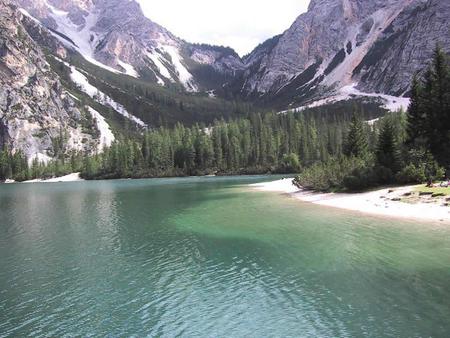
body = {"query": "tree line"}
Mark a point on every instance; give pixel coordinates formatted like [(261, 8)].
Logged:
[(258, 143)]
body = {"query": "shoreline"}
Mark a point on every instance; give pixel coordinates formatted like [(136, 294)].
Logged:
[(382, 202), (74, 177)]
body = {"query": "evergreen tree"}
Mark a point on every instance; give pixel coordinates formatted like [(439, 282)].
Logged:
[(415, 116), (387, 152), (356, 141), (429, 112)]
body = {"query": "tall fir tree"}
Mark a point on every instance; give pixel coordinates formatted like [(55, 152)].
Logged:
[(415, 115), (356, 144), (429, 111), (388, 152)]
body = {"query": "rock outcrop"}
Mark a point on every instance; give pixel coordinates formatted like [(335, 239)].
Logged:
[(37, 116), (404, 47), (376, 44)]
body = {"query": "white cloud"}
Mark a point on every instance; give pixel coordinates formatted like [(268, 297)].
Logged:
[(240, 24)]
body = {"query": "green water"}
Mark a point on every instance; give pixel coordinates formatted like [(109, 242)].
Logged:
[(210, 258)]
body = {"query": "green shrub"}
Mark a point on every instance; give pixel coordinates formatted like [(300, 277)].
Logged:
[(384, 175), (360, 178), (411, 174), (346, 173), (290, 163)]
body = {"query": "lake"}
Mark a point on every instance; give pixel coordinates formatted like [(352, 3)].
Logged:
[(208, 257)]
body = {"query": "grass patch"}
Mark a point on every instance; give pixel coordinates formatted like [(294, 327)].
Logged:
[(434, 191)]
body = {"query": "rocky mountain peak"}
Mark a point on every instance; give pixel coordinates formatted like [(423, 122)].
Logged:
[(339, 44), (117, 35)]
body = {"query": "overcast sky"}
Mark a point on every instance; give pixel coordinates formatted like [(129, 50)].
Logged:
[(240, 24)]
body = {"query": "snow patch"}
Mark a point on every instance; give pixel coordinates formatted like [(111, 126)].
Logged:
[(83, 83), (161, 68), (106, 135), (183, 74), (27, 14), (129, 69), (55, 10), (84, 38), (391, 103), (73, 96)]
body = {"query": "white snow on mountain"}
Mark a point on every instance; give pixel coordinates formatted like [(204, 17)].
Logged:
[(343, 72), (26, 13), (129, 69), (106, 135), (171, 55), (81, 80), (55, 10), (156, 59), (83, 37), (183, 74), (391, 103)]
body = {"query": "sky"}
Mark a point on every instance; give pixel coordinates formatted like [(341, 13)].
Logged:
[(240, 24)]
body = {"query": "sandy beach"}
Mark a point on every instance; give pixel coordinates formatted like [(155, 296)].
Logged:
[(386, 202), (74, 177)]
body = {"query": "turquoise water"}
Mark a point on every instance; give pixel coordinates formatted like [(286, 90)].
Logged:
[(207, 257)]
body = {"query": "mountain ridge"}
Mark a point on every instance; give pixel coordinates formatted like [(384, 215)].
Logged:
[(335, 39)]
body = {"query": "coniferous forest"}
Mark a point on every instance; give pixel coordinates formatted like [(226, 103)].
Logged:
[(409, 148), (332, 150)]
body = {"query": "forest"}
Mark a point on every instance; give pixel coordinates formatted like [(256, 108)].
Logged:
[(255, 144), (344, 149), (412, 147)]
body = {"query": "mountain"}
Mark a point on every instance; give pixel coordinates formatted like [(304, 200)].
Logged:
[(337, 49), (116, 35), (36, 112), (360, 46)]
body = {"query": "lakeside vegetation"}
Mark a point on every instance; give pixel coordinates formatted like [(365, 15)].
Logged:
[(412, 147)]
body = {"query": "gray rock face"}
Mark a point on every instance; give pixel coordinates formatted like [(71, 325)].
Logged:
[(404, 47), (376, 44), (34, 109)]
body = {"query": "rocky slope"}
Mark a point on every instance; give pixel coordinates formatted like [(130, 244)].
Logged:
[(37, 115), (115, 34), (373, 45), (404, 47)]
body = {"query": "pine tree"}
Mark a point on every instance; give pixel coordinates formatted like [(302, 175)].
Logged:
[(429, 112), (387, 152), (356, 141), (415, 116)]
